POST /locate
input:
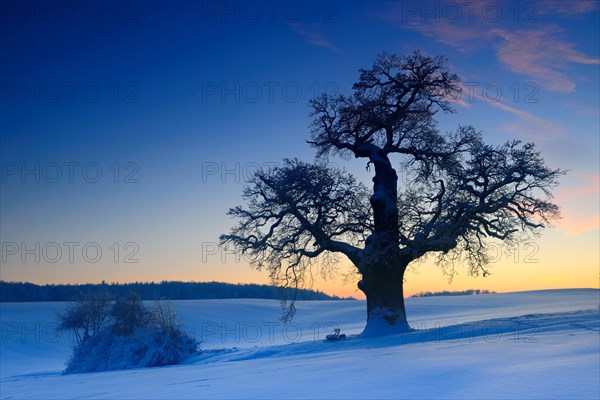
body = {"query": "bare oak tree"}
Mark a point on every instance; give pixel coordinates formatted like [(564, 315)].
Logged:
[(458, 194)]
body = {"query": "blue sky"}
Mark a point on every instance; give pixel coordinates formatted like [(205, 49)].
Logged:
[(175, 103)]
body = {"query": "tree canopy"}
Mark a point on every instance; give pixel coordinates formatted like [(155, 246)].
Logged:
[(458, 193)]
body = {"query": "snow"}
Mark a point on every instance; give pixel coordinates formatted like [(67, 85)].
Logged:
[(543, 345)]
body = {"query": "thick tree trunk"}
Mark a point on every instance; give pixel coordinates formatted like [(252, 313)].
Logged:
[(383, 272), (385, 200), (386, 313)]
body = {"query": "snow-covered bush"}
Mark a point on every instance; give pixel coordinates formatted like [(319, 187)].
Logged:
[(87, 316), (138, 338), (129, 314)]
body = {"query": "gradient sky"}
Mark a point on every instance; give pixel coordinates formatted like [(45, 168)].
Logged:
[(136, 123)]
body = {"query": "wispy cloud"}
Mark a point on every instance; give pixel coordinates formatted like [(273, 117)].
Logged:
[(527, 125), (580, 205), (583, 110), (534, 128), (568, 8), (540, 53), (314, 35), (588, 112), (461, 38), (577, 226), (537, 54)]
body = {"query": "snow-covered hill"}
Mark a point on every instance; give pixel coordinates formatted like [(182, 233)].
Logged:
[(543, 344)]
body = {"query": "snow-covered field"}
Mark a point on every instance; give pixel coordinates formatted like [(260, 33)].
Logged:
[(527, 345)]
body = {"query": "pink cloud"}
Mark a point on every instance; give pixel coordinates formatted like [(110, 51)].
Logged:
[(534, 129), (536, 54), (580, 205), (527, 124), (590, 186), (563, 7), (577, 226), (433, 19), (462, 38), (312, 33), (539, 53), (588, 112)]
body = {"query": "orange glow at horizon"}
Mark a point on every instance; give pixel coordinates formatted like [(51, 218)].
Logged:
[(554, 261)]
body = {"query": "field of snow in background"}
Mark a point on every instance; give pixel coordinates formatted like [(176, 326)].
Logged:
[(542, 344)]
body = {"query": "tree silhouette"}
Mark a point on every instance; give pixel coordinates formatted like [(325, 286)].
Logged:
[(128, 314), (458, 192), (87, 316)]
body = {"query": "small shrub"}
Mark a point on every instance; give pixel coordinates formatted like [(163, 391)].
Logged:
[(138, 338), (129, 314), (87, 316)]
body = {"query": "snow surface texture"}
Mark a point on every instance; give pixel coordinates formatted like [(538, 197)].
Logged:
[(542, 345)]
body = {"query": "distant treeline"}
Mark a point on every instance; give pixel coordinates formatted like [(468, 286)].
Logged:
[(453, 293), (23, 291)]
